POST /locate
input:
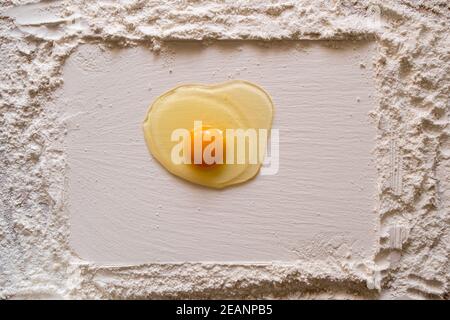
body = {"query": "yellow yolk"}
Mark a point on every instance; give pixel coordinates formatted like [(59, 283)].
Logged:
[(207, 136), (234, 104)]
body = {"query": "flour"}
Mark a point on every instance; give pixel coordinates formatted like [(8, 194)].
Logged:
[(412, 149)]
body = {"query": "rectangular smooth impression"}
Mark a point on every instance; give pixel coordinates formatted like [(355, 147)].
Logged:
[(125, 208)]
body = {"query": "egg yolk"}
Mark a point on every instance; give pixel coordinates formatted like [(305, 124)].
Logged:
[(207, 139)]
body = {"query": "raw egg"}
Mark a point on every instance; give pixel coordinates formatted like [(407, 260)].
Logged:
[(194, 122)]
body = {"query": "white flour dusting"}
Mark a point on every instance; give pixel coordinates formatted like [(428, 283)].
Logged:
[(412, 151)]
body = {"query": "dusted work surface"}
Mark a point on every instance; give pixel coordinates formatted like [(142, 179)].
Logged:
[(411, 151), (125, 208)]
